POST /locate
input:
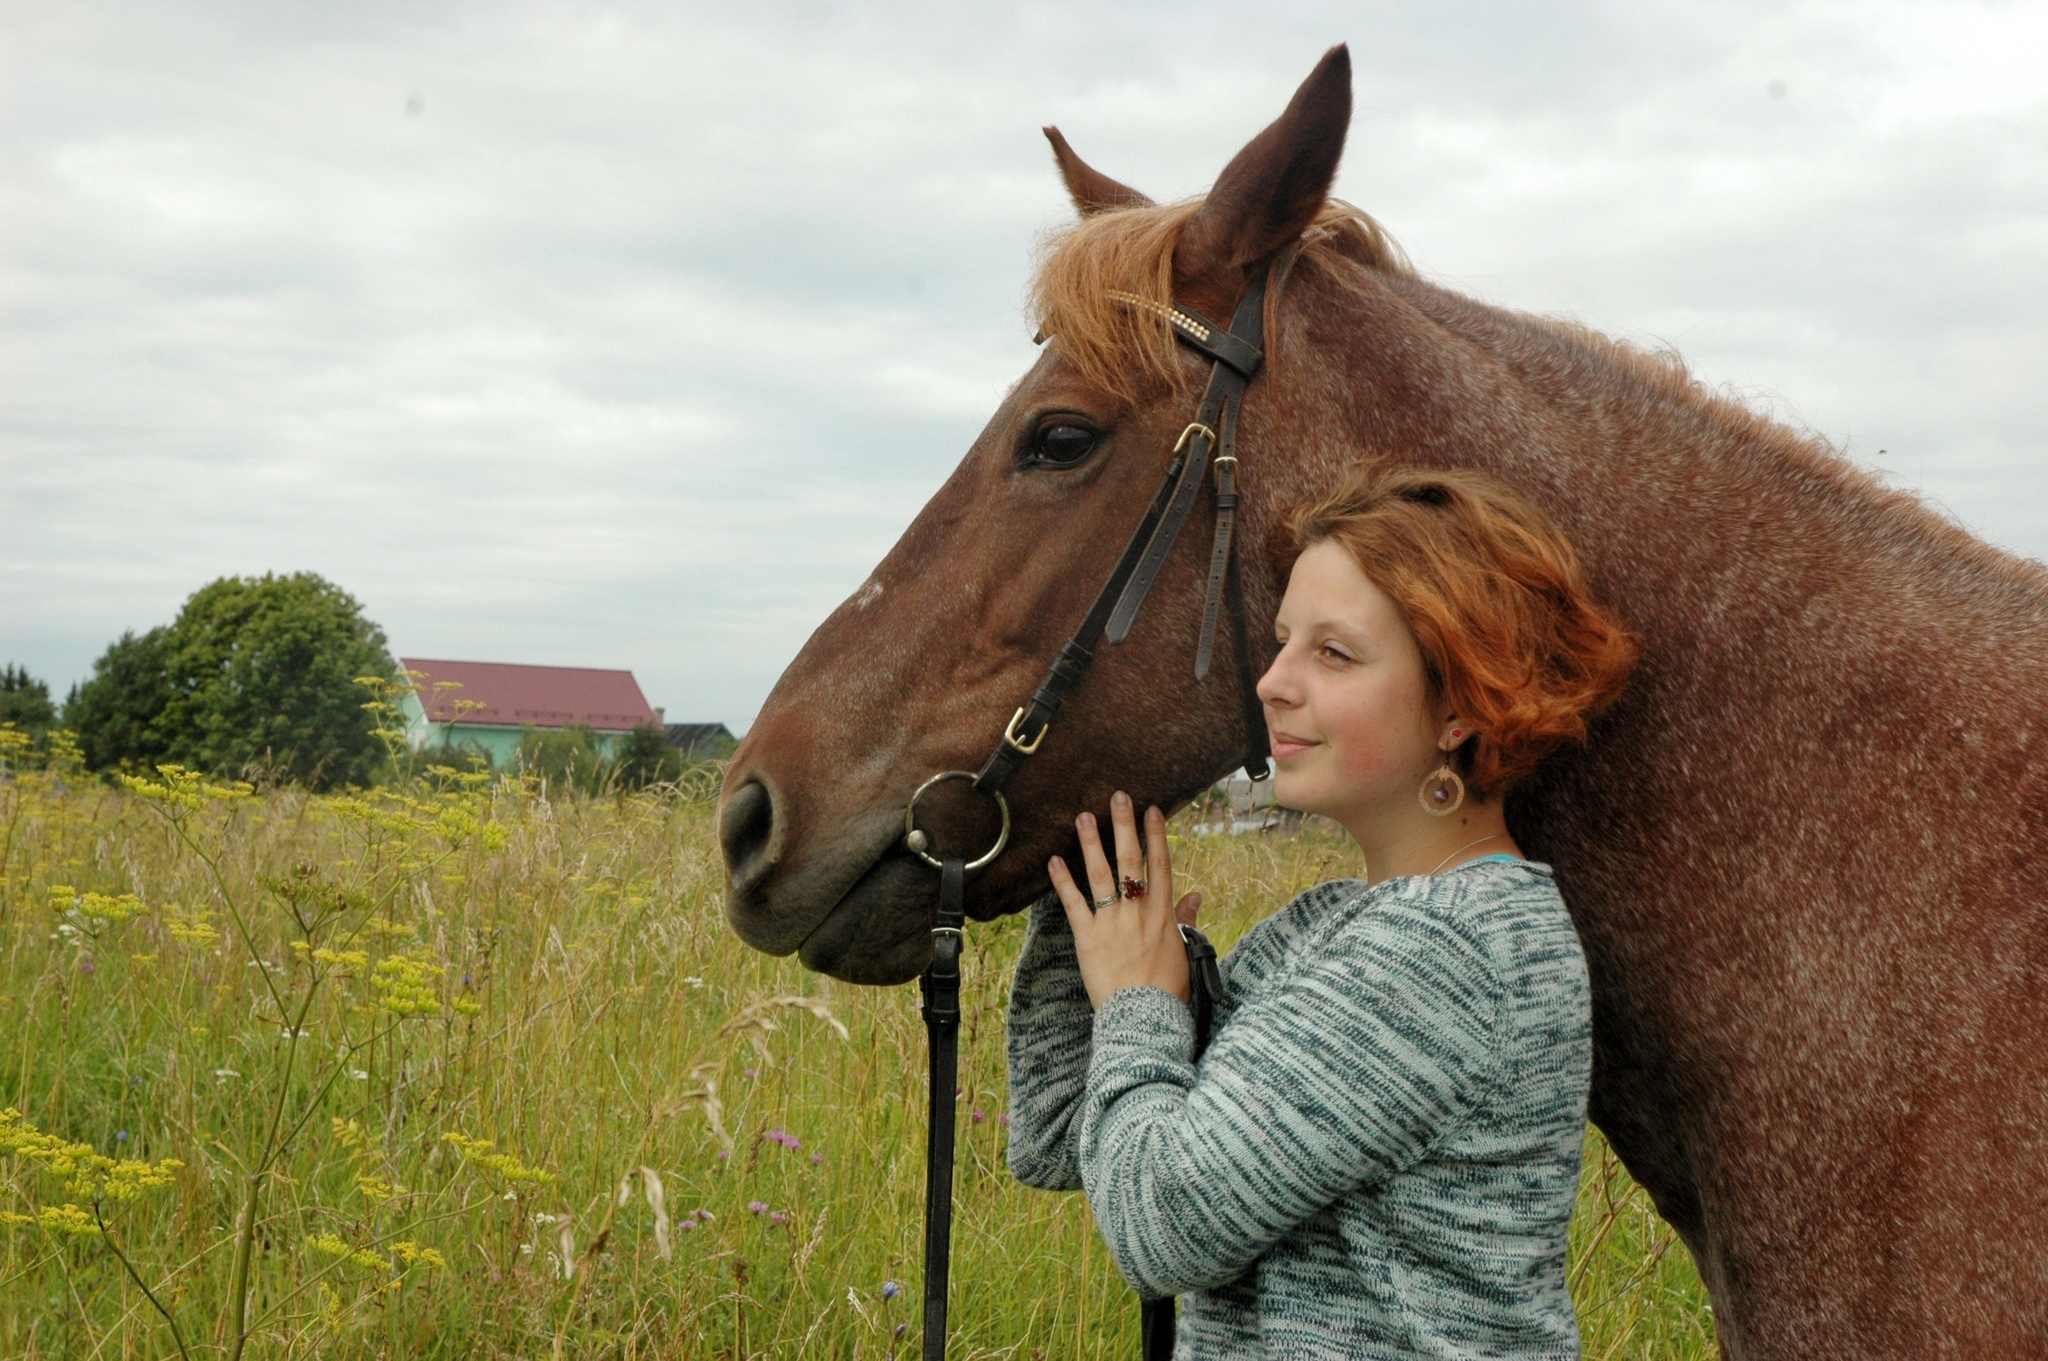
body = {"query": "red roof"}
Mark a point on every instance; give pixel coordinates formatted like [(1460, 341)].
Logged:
[(540, 696)]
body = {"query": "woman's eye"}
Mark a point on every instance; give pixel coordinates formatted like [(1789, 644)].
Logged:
[(1335, 654), (1061, 445)]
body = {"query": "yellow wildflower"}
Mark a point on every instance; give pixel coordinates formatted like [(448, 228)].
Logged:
[(94, 912), (334, 1245), (192, 926), (376, 1189), (412, 1254), (404, 985), (89, 1175), (67, 1219), (184, 790), (478, 1153)]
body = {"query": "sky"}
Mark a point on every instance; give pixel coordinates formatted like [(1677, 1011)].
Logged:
[(633, 335)]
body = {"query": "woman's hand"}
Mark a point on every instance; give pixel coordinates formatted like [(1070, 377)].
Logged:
[(1126, 942)]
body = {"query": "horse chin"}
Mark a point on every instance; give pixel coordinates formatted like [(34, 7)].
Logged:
[(880, 931)]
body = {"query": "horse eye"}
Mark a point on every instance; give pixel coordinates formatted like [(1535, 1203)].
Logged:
[(1062, 446)]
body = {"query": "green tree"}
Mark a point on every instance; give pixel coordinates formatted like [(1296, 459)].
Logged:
[(262, 674), (644, 757), (117, 712), (257, 675), (25, 701)]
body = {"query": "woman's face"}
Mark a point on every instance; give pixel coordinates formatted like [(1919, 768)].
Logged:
[(1346, 700)]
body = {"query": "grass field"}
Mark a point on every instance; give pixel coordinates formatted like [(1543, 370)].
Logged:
[(466, 1070)]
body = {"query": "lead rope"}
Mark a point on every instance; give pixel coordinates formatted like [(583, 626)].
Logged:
[(940, 984), (1205, 985)]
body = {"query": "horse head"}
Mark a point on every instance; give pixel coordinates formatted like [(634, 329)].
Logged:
[(920, 669)]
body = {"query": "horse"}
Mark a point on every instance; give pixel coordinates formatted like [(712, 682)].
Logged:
[(1803, 851)]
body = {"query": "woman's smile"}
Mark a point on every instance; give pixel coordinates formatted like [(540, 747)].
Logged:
[(1287, 744)]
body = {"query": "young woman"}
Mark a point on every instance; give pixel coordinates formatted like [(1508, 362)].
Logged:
[(1377, 1154)]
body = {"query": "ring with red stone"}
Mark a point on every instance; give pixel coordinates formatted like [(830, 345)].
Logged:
[(1133, 888)]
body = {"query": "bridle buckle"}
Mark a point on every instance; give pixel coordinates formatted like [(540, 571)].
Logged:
[(1010, 734), (1194, 428)]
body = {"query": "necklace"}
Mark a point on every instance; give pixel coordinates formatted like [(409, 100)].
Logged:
[(1497, 836)]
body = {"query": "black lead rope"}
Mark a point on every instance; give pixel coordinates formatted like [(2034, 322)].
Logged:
[(941, 987), (1205, 986), (1207, 445)]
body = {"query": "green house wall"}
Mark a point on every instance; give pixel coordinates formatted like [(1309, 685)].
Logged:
[(499, 743)]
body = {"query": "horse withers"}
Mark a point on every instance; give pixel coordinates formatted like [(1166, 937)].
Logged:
[(1803, 852)]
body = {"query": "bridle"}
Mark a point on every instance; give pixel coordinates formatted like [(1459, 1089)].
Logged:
[(1207, 446)]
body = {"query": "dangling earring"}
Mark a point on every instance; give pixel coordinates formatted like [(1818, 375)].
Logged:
[(1442, 792)]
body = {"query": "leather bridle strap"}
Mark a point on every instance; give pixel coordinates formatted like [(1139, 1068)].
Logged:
[(1238, 357), (1209, 441)]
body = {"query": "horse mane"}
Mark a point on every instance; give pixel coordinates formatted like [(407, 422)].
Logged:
[(1125, 349)]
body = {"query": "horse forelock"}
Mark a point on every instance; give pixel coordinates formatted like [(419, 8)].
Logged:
[(1125, 350)]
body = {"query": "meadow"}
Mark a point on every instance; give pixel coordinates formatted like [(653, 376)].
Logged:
[(462, 1067)]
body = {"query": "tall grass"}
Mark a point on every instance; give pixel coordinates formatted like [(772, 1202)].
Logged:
[(466, 1070)]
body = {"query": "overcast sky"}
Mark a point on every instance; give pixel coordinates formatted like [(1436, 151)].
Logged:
[(632, 335)]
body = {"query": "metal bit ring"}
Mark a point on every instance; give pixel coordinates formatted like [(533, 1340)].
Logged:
[(918, 842)]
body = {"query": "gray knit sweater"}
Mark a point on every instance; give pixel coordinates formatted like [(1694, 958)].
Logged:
[(1378, 1153)]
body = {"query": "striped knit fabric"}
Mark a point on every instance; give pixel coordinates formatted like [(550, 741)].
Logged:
[(1378, 1153)]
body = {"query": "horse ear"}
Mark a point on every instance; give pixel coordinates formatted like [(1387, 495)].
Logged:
[(1274, 188), (1092, 191)]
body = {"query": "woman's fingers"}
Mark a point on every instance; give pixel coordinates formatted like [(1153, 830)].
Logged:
[(1184, 911), (1070, 893), (1158, 858), (1101, 881), (1130, 856)]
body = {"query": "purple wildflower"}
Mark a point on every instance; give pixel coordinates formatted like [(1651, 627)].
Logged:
[(757, 1207), (778, 1217), (890, 1290), (817, 1157), (1003, 1119), (120, 1136), (979, 1116)]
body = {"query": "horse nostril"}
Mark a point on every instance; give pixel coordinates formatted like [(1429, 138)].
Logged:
[(746, 827)]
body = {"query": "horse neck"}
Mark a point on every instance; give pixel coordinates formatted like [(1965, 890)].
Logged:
[(1696, 517)]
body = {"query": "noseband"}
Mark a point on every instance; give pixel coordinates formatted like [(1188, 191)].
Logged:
[(1207, 445)]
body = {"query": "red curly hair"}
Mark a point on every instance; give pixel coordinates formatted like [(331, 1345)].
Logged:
[(1510, 637)]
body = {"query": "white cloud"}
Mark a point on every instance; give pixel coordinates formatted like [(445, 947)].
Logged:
[(634, 336)]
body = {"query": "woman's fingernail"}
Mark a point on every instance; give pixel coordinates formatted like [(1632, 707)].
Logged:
[(1119, 800), (1054, 865)]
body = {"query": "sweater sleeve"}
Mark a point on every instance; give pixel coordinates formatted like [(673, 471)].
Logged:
[(1348, 1073), (1050, 1027)]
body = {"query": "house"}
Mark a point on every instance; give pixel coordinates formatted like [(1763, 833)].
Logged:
[(486, 705), (702, 741)]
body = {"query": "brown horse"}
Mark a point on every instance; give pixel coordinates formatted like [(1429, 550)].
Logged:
[(1804, 852)]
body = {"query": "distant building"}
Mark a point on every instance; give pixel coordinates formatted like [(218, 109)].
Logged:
[(485, 705), (702, 740)]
